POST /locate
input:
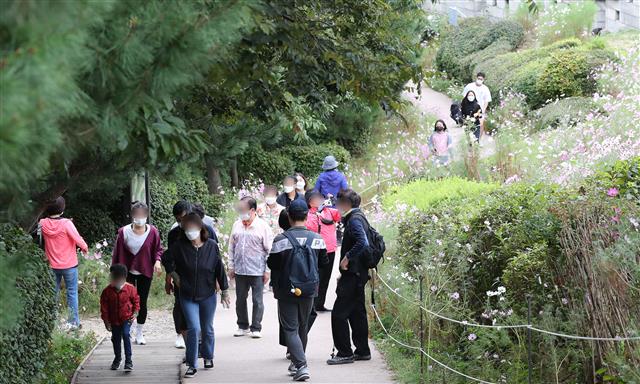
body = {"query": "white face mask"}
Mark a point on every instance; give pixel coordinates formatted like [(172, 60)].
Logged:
[(471, 98), (270, 200), (300, 185), (479, 81), (139, 221), (118, 286), (245, 216), (288, 189), (192, 235)]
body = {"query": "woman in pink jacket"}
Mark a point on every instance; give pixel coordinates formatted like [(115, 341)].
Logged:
[(322, 219), (61, 238)]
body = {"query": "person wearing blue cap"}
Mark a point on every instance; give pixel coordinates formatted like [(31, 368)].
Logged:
[(331, 181)]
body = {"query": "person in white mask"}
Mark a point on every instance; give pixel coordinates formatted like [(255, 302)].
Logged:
[(301, 183), (138, 247), (270, 210), (289, 192), (482, 93), (249, 246)]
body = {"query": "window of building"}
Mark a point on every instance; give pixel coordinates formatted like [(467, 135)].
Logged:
[(617, 14), (494, 3)]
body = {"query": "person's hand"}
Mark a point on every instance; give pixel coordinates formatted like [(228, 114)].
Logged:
[(225, 299), (265, 278), (232, 274), (344, 264), (157, 267), (107, 326), (132, 318)]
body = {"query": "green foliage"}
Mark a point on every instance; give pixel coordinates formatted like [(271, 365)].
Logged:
[(566, 20), (423, 194), (28, 307), (623, 176), (65, 353), (94, 223), (270, 166), (562, 112), (307, 159)]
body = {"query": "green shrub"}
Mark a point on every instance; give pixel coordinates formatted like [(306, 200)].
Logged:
[(471, 61), (26, 275), (307, 159), (93, 223), (66, 351), (269, 166), (562, 112), (624, 176), (351, 126)]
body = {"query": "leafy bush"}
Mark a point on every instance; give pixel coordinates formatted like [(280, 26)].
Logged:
[(65, 352), (566, 20), (350, 126), (623, 177), (30, 309), (307, 159), (562, 112), (270, 166), (93, 223)]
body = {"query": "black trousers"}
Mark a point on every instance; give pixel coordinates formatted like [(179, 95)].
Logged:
[(325, 277), (179, 320), (143, 285), (350, 314)]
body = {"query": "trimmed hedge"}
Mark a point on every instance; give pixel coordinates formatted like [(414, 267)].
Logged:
[(269, 166), (562, 111), (28, 307), (307, 159)]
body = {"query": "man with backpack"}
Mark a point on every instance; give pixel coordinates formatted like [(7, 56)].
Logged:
[(362, 248), (295, 258)]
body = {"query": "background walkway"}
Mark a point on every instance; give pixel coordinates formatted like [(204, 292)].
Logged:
[(238, 359)]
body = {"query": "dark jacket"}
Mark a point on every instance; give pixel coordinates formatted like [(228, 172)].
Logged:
[(116, 307), (198, 269), (331, 182), (470, 108), (284, 200), (354, 242), (279, 258)]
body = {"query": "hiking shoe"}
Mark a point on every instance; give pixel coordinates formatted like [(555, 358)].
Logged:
[(292, 369), (115, 365), (241, 332), (208, 364), (191, 372), (128, 366), (302, 374), (287, 356), (180, 342), (256, 335), (337, 360), (357, 357)]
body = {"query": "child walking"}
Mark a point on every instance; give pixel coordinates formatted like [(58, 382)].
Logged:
[(119, 306), (440, 143)]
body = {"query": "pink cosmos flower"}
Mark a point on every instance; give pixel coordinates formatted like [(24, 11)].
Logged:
[(612, 192), (472, 337)]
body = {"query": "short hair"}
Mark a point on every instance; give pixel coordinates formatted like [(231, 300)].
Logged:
[(181, 207), (291, 177), (350, 197), (139, 205), (118, 271), (194, 218), (55, 206), (297, 215), (270, 188), (253, 204), (481, 74), (199, 209)]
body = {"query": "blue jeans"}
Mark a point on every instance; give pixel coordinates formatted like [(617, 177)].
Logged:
[(199, 317), (70, 276), (120, 333)]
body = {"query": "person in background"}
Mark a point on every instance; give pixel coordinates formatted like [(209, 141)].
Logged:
[(322, 220), (483, 95), (349, 309), (294, 306), (330, 181), (472, 110), (196, 260), (301, 183), (249, 246), (60, 239), (206, 219), (186, 207), (119, 305), (270, 210), (440, 143), (138, 247), (289, 192)]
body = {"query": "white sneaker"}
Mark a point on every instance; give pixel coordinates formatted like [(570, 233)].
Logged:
[(256, 335), (139, 336), (241, 332), (180, 342)]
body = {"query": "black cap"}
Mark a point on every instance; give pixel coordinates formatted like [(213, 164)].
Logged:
[(298, 206)]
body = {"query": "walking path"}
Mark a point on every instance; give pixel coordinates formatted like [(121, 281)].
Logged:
[(238, 359)]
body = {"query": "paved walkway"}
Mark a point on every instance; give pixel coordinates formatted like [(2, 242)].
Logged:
[(238, 359)]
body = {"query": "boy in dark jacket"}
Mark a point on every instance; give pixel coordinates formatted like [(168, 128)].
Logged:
[(119, 306)]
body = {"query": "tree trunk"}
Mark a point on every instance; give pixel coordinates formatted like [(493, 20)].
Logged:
[(214, 182), (235, 181)]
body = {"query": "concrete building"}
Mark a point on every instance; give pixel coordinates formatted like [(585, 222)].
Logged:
[(612, 15)]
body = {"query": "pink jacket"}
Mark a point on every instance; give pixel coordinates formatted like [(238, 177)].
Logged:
[(60, 241), (327, 231)]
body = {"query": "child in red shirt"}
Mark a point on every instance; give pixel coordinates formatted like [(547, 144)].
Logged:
[(119, 305)]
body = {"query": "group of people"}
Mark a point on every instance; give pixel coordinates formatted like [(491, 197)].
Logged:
[(288, 242)]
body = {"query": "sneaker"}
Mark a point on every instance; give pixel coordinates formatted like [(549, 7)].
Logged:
[(323, 309), (191, 372), (180, 342), (292, 369), (139, 336), (357, 357), (337, 360), (208, 364), (128, 366), (115, 365), (256, 335), (287, 356), (302, 374), (241, 332)]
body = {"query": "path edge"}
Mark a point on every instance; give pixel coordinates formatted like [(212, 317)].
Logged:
[(80, 366)]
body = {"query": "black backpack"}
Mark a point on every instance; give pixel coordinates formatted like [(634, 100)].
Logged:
[(302, 268), (377, 247), (456, 113)]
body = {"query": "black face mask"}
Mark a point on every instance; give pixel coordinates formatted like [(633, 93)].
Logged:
[(439, 129)]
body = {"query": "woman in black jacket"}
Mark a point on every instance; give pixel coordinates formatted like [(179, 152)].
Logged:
[(195, 264), (471, 109)]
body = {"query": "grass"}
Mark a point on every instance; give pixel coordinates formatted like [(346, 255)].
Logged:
[(66, 351)]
